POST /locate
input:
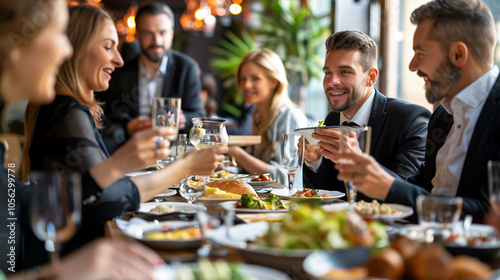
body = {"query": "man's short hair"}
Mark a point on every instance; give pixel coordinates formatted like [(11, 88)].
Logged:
[(468, 21), (355, 40), (154, 8)]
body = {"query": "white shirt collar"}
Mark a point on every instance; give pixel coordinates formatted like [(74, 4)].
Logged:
[(475, 93), (363, 114), (162, 70)]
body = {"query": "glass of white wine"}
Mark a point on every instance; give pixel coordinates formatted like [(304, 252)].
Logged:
[(166, 111), (292, 156)]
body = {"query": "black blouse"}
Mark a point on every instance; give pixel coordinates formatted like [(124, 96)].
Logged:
[(66, 138)]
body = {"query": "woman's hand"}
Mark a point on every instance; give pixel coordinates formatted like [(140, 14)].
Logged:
[(204, 162), (141, 151)]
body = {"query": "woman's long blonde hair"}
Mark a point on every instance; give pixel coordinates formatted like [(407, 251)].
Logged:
[(264, 116), (85, 21)]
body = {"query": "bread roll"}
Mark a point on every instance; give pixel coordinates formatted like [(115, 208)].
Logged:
[(233, 186), (465, 267), (386, 264), (431, 263)]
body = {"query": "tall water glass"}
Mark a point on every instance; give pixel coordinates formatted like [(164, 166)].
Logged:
[(291, 159), (166, 111), (354, 139), (55, 208), (494, 184)]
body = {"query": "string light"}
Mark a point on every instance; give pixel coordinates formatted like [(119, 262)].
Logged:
[(201, 15)]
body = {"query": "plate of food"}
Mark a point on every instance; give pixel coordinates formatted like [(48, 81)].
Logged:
[(306, 193), (252, 204), (308, 131), (382, 211), (166, 210), (171, 235), (259, 182), (226, 190), (218, 269), (480, 241), (308, 228)]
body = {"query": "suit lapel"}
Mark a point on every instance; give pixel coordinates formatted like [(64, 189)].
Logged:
[(377, 117), (489, 106)]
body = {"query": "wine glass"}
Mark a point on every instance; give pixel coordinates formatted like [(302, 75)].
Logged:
[(166, 111), (193, 187), (291, 159), (209, 218), (55, 208), (354, 139), (208, 133)]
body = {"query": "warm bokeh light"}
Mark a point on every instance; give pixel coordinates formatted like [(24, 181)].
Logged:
[(131, 22), (73, 3), (120, 27), (235, 9), (97, 1), (200, 14), (198, 24), (237, 2), (129, 38)]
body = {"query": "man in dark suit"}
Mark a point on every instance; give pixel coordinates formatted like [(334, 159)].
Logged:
[(398, 127), (454, 47), (158, 71)]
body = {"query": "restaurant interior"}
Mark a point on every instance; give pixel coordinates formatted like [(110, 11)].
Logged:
[(237, 224)]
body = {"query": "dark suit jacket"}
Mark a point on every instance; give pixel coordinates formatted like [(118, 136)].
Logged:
[(398, 142), (122, 97), (484, 145)]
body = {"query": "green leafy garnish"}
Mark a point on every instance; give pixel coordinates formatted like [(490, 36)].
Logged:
[(321, 123)]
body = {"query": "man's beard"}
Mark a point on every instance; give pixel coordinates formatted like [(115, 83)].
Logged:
[(156, 57), (352, 99), (449, 76)]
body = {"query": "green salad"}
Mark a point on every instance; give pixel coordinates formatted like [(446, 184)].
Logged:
[(217, 270), (250, 201), (311, 227)]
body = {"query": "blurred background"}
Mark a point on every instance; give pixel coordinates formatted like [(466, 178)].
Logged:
[(217, 33)]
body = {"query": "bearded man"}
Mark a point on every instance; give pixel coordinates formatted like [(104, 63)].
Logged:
[(454, 47)]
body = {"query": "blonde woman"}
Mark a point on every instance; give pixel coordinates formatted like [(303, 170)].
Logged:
[(64, 136), (262, 78)]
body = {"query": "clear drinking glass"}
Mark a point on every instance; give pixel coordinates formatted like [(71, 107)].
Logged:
[(355, 139), (166, 111), (291, 159), (55, 208), (210, 218), (208, 133), (193, 187), (438, 215), (494, 184)]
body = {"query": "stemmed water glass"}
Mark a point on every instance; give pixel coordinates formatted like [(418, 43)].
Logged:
[(55, 208), (166, 111), (192, 187), (291, 159), (354, 139)]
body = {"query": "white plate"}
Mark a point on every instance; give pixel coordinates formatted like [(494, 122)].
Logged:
[(416, 232), (404, 211), (251, 210), (260, 185), (332, 195), (169, 272), (239, 234), (138, 173), (206, 199), (136, 231), (307, 132), (182, 207), (166, 193)]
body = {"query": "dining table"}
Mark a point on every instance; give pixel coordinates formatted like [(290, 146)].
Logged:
[(190, 255)]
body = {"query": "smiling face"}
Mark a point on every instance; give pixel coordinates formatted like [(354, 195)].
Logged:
[(102, 58), (155, 36), (345, 83), (35, 64), (432, 63), (257, 87)]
